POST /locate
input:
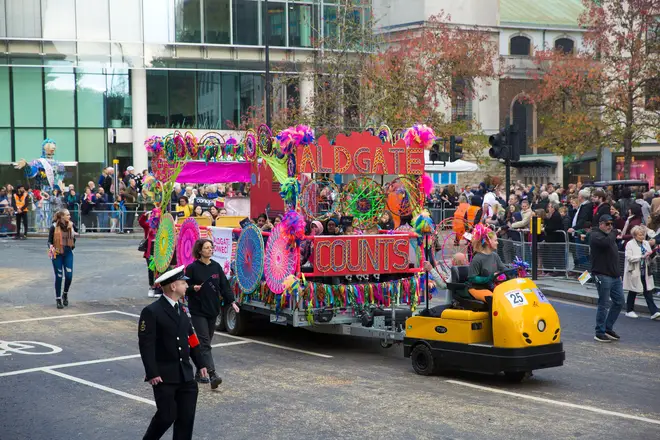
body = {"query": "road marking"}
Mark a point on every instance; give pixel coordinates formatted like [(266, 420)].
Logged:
[(126, 313), (23, 347), (268, 344), (57, 317), (100, 361), (555, 402), (99, 387)]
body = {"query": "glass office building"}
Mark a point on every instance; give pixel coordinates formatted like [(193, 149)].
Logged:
[(100, 76)]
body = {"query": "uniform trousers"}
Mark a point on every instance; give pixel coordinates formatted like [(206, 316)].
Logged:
[(175, 403)]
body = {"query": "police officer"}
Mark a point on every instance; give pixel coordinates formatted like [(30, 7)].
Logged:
[(167, 342)]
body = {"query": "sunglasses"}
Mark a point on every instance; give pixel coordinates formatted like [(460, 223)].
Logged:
[(608, 224)]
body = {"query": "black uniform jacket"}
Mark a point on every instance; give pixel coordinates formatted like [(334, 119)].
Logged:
[(165, 340)]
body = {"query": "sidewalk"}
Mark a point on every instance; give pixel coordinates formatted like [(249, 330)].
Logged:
[(94, 235), (572, 290)]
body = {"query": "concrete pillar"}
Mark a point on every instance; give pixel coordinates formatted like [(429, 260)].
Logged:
[(606, 172), (306, 93), (139, 115)]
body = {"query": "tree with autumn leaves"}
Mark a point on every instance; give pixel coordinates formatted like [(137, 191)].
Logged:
[(606, 94)]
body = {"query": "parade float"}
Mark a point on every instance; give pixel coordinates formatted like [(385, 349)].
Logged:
[(370, 282)]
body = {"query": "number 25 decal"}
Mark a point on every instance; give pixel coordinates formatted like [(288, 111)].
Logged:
[(516, 298)]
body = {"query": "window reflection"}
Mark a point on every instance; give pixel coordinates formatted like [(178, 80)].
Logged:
[(22, 18), (59, 19), (277, 16), (246, 22), (118, 99), (216, 21), (229, 100), (302, 25), (157, 112), (60, 90), (330, 33), (188, 21), (92, 20), (181, 90), (90, 98), (252, 93), (208, 100)]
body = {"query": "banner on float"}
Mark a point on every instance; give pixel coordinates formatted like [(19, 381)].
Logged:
[(360, 153), (221, 238), (360, 255)]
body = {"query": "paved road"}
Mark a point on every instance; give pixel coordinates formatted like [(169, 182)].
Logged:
[(327, 387)]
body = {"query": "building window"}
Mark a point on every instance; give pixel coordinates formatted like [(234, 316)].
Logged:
[(182, 96), (565, 45), (92, 20), (58, 18), (461, 100), (523, 119), (188, 21), (90, 98), (302, 25), (229, 100), (216, 21), (60, 96), (330, 31), (208, 100), (252, 93), (28, 86), (5, 111), (157, 112), (246, 22), (118, 99), (520, 45), (23, 18), (277, 20), (652, 95)]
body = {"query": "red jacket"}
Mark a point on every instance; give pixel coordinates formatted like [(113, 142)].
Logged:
[(149, 234)]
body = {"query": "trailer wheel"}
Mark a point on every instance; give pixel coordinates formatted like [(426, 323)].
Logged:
[(516, 376), (422, 360), (220, 320), (235, 323)]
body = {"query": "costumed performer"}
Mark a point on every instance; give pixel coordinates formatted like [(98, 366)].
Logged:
[(485, 262), (167, 342), (206, 283)]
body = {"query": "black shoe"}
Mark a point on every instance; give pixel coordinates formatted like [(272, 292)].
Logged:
[(201, 379), (613, 336), (602, 337), (65, 299), (215, 380), (59, 303)]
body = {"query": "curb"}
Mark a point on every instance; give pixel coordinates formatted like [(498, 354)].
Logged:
[(643, 308)]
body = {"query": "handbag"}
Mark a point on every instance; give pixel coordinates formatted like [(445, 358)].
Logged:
[(142, 247)]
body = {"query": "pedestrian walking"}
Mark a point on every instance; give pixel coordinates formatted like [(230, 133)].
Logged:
[(61, 243), (167, 342), (606, 273), (637, 277), (21, 203), (206, 283), (149, 222)]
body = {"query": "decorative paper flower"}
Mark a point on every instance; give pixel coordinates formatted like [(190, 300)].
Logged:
[(480, 233), (154, 145), (295, 136), (421, 134)]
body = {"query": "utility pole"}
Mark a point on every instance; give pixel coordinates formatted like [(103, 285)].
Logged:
[(267, 61)]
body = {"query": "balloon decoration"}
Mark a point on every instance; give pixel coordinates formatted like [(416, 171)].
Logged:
[(320, 199), (249, 258), (364, 200), (188, 235), (164, 243), (280, 261)]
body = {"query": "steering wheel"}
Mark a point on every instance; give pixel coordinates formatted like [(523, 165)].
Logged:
[(510, 274)]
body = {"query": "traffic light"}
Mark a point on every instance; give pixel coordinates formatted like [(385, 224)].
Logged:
[(498, 145), (514, 142), (455, 148), (437, 153)]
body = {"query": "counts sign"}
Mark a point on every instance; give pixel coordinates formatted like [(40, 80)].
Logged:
[(360, 255), (360, 153)]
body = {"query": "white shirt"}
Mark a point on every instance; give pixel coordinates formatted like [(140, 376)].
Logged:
[(575, 217), (170, 300)]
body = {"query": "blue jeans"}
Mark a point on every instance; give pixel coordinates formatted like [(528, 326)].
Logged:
[(63, 267), (608, 287)]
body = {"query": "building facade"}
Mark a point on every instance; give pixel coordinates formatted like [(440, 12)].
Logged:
[(100, 76)]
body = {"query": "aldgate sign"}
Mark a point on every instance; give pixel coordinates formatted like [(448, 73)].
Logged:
[(360, 255), (360, 153)]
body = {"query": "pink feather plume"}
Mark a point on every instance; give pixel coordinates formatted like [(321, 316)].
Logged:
[(426, 185)]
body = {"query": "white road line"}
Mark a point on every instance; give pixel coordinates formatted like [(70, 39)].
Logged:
[(555, 402), (99, 361), (99, 387), (57, 317), (268, 344), (126, 313)]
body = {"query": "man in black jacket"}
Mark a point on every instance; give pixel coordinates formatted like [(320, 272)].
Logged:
[(167, 342), (607, 275), (599, 199)]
